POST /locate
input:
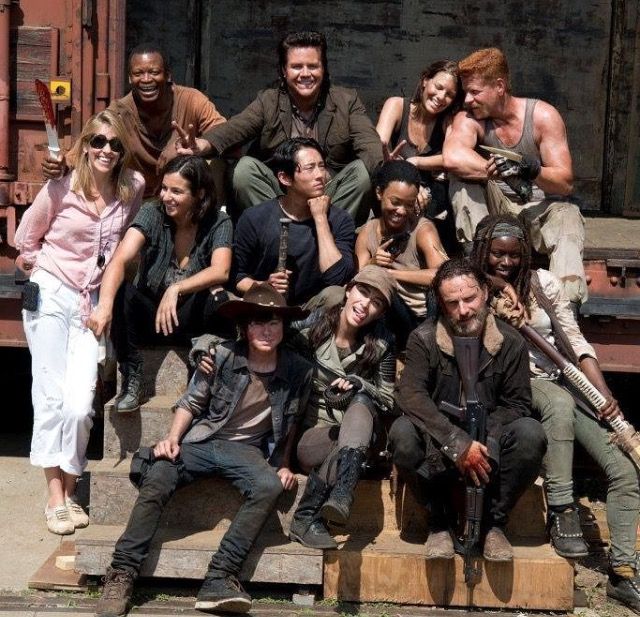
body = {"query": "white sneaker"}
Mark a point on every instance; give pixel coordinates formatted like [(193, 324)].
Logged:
[(79, 517), (59, 521)]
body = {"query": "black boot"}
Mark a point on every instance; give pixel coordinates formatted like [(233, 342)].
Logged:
[(337, 507), (129, 398), (566, 534), (625, 589), (307, 527)]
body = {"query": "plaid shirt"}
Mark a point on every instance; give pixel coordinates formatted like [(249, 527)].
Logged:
[(213, 232)]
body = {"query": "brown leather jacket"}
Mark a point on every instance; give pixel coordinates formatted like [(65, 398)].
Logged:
[(344, 129), (431, 376)]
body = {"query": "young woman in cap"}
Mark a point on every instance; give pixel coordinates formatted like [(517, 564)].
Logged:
[(353, 381)]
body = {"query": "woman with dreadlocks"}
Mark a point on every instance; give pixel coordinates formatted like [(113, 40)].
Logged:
[(503, 250)]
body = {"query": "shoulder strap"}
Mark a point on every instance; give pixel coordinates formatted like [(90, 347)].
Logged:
[(562, 340)]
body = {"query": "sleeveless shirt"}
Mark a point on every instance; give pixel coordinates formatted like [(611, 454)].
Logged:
[(526, 146), (413, 295)]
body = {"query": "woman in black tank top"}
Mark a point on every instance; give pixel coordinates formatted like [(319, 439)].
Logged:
[(414, 130)]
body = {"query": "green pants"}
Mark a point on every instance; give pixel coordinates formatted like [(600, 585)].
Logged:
[(563, 423), (350, 189)]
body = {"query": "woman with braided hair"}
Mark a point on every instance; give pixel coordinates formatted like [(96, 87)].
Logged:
[(503, 250), (355, 364)]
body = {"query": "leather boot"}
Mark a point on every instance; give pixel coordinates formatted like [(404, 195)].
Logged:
[(625, 589), (129, 398), (566, 535), (336, 509), (307, 527), (116, 594)]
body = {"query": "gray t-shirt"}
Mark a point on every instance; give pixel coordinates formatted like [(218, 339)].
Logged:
[(251, 421)]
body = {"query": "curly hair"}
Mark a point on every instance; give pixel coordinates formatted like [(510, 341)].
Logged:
[(458, 266), (482, 247), (490, 64), (327, 325)]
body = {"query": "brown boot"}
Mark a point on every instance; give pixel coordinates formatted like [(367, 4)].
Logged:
[(116, 594), (496, 546), (439, 545)]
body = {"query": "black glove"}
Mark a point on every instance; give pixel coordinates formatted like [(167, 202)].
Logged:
[(529, 167), (506, 167)]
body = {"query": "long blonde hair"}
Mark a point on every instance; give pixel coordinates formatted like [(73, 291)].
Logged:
[(121, 175)]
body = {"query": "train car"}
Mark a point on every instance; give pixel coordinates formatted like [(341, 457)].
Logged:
[(583, 57)]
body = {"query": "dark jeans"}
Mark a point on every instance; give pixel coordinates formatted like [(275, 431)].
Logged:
[(135, 317), (243, 465), (522, 445)]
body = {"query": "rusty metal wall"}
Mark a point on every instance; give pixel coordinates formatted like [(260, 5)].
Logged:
[(559, 50)]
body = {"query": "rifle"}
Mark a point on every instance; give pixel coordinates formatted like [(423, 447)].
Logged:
[(625, 436), (467, 354)]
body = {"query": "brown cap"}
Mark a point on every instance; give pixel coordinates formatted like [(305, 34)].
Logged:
[(261, 299), (378, 278)]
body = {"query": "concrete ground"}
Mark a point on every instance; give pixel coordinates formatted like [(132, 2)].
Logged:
[(26, 541)]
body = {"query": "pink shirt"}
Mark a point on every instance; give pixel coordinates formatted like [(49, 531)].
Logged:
[(62, 233)]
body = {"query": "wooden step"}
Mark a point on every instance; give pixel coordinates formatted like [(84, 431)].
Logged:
[(124, 433), (205, 504), (164, 380), (392, 570), (185, 553), (211, 502)]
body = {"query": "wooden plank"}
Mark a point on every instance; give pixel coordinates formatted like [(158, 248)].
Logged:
[(185, 553), (391, 572), (49, 577)]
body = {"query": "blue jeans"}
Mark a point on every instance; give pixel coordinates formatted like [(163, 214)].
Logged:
[(564, 424), (247, 470)]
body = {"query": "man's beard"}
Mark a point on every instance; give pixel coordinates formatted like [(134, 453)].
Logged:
[(470, 327)]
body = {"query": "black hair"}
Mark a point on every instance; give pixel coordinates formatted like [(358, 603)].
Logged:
[(482, 247), (285, 156), (327, 326), (440, 66), (396, 171), (148, 48), (458, 266), (196, 171), (305, 38)]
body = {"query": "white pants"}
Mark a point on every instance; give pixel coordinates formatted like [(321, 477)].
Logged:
[(64, 367)]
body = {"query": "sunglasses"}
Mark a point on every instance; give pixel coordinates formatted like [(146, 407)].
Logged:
[(99, 141)]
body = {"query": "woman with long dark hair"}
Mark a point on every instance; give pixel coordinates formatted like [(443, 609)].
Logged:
[(65, 239), (353, 381), (184, 244), (413, 129), (502, 249)]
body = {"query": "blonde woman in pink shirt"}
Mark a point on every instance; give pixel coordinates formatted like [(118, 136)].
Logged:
[(66, 239)]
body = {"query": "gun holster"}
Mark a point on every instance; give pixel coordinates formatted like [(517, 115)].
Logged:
[(140, 463)]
